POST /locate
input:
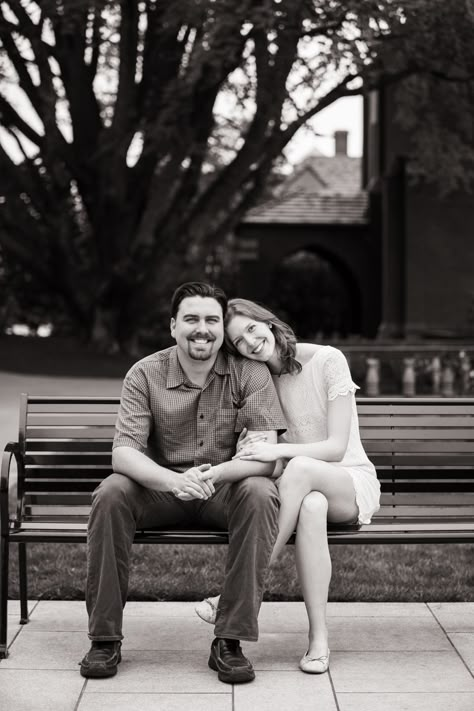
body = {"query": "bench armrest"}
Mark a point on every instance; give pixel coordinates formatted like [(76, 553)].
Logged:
[(12, 449)]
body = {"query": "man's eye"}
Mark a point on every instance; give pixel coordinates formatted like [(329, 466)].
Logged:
[(251, 328)]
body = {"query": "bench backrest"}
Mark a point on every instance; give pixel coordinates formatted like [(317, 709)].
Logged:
[(423, 449)]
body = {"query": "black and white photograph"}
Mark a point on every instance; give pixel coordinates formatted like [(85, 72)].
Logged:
[(237, 355)]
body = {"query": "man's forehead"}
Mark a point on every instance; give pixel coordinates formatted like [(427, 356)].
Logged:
[(200, 305)]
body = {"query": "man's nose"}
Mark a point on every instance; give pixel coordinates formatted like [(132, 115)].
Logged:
[(203, 326)]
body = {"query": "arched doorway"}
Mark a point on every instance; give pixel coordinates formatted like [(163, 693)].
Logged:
[(317, 295)]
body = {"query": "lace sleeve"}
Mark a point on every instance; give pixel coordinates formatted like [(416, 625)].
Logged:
[(337, 376)]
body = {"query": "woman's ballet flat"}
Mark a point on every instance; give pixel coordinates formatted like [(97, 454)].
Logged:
[(311, 665), (207, 609)]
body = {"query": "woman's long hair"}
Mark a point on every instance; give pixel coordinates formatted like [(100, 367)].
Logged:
[(285, 339)]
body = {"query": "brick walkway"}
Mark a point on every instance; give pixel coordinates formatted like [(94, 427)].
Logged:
[(385, 657)]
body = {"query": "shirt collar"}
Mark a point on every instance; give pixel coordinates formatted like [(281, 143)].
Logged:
[(177, 376)]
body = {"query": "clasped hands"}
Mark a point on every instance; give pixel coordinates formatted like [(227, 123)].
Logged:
[(195, 483)]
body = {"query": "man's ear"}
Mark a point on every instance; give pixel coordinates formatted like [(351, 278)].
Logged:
[(172, 326)]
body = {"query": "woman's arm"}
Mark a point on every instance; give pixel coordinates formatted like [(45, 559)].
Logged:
[(331, 449)]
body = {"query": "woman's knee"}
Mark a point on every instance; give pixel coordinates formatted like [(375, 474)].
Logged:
[(314, 506), (299, 473)]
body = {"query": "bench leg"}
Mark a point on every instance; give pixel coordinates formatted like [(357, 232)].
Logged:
[(23, 584), (4, 550)]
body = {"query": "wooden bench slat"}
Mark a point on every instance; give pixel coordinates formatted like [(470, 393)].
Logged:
[(61, 445), (414, 408), (73, 407), (414, 459), (398, 433), (52, 487), (67, 458), (71, 432), (80, 418), (417, 446), (367, 421)]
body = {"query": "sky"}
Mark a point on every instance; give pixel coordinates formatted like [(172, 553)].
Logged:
[(344, 115)]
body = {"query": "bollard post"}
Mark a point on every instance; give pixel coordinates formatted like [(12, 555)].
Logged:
[(447, 381), (465, 372), (372, 377), (408, 377), (436, 374)]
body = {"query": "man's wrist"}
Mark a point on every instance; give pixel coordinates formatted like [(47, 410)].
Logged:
[(172, 480)]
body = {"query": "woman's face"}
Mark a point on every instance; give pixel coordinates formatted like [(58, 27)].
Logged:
[(253, 339)]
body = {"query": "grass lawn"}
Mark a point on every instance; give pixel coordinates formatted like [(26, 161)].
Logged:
[(172, 572)]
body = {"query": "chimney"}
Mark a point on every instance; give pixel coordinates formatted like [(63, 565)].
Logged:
[(340, 141)]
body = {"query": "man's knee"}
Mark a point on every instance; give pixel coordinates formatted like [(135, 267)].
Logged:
[(114, 490)]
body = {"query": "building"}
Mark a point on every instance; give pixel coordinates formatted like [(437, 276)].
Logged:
[(401, 256), (319, 216)]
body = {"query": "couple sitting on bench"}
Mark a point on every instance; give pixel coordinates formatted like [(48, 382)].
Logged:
[(196, 443)]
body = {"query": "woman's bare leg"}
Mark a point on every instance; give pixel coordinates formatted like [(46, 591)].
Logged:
[(313, 564), (302, 476)]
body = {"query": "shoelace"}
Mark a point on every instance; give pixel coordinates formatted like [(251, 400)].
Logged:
[(103, 653)]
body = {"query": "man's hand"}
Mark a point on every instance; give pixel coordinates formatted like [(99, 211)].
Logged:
[(195, 483)]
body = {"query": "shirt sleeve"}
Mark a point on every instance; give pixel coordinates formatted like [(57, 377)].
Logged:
[(134, 420), (259, 406), (337, 376)]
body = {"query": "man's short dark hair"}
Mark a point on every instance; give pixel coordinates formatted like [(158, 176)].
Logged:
[(198, 288)]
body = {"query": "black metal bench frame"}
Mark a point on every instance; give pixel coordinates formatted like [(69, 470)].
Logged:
[(423, 449)]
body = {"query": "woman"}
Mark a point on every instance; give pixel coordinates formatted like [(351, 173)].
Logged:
[(324, 473)]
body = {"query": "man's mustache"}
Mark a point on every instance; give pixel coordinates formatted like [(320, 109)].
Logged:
[(207, 336)]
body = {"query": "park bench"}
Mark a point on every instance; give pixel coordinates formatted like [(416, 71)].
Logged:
[(423, 449)]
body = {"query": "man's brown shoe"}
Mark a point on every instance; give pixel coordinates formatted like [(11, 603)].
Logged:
[(101, 660), (229, 662)]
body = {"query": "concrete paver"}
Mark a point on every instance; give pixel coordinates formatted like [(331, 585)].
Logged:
[(276, 690), (397, 671), (384, 657), (156, 702), (39, 690), (454, 616), (464, 644), (408, 702)]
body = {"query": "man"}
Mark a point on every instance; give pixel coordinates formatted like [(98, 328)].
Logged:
[(180, 415)]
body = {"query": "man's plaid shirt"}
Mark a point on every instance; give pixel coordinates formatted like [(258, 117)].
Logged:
[(179, 424)]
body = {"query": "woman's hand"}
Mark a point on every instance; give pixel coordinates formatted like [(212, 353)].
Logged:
[(246, 439), (258, 452)]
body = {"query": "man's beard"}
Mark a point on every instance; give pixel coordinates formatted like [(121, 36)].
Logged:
[(199, 353)]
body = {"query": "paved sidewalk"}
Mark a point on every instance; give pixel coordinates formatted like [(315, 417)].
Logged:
[(385, 657)]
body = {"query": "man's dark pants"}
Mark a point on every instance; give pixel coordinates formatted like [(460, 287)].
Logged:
[(248, 509)]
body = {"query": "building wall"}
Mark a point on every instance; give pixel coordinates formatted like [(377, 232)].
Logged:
[(431, 290), (439, 263)]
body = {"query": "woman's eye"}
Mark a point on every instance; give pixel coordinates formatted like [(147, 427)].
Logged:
[(251, 328)]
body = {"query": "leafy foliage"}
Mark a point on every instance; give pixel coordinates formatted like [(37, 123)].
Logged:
[(135, 135)]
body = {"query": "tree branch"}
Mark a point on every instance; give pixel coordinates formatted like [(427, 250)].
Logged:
[(10, 117)]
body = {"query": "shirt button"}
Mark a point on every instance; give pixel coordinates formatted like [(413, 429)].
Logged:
[(201, 416), (201, 443)]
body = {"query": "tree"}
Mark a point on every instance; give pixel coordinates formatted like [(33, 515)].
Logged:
[(146, 129)]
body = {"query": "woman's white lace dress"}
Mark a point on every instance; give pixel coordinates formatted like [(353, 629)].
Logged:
[(304, 399)]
